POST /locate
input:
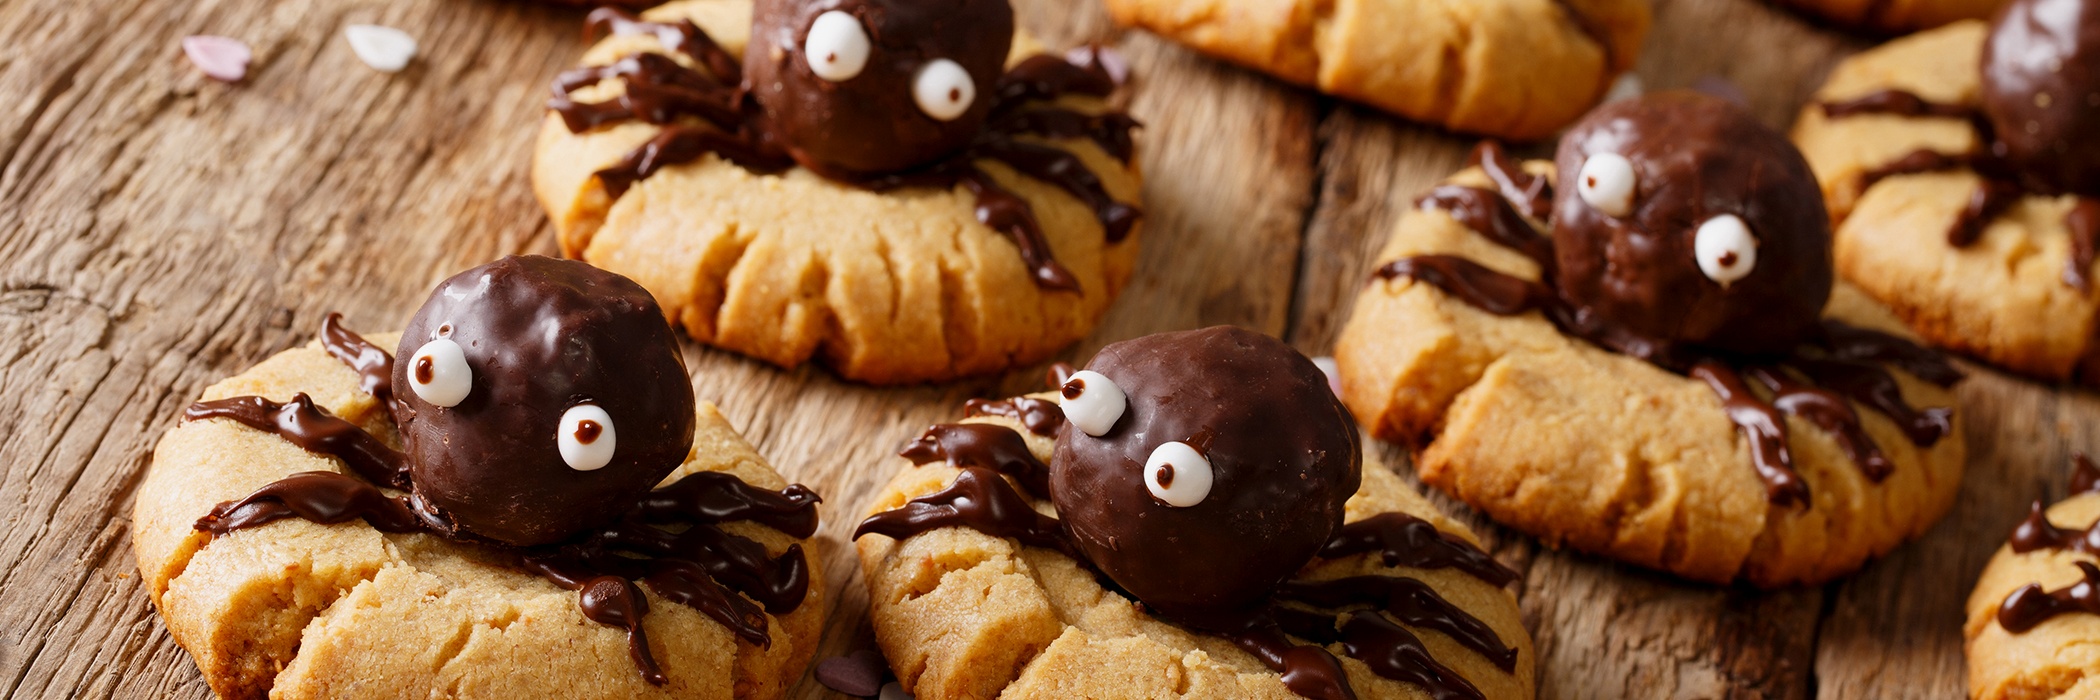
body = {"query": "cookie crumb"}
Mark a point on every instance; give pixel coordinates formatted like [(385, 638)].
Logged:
[(385, 49)]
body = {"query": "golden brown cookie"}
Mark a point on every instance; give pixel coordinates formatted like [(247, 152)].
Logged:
[(1893, 16), (295, 609), (1606, 453), (779, 263), (1515, 69), (2003, 298), (2033, 627), (963, 614)]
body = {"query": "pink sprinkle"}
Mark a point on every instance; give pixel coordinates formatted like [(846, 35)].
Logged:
[(1110, 60), (1333, 371), (222, 58)]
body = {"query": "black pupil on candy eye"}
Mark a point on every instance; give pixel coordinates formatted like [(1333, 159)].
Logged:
[(831, 58), (1728, 259), (954, 94), (445, 330), (424, 370), (1166, 476), (1074, 388), (587, 431), (1591, 181)]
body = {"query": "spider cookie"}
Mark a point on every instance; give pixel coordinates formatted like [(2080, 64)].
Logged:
[(874, 183), (2033, 625), (1515, 69), (529, 500), (1961, 166), (1188, 516), (1650, 361), (1886, 17)]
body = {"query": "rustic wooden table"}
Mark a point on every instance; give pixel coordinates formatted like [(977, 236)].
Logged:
[(161, 231)]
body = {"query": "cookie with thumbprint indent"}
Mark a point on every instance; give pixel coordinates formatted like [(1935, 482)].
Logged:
[(904, 191), (1893, 16), (1514, 69), (529, 499), (1637, 350), (1187, 516), (2033, 627), (1960, 167)]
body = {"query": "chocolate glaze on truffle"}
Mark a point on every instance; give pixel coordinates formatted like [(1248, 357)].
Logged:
[(870, 123), (1283, 451), (1694, 157), (2040, 93), (540, 336)]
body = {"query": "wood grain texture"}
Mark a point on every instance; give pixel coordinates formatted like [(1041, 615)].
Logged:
[(160, 230)]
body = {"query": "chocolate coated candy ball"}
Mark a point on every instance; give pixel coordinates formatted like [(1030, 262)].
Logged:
[(1226, 470), (2039, 66), (1680, 220), (539, 397), (862, 87)]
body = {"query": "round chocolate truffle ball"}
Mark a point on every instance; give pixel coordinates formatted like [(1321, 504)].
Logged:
[(538, 398), (1681, 222), (865, 87), (2039, 66), (1224, 472)]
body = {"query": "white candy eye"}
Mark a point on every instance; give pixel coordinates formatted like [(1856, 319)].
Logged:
[(439, 373), (1092, 402), (1606, 182), (1178, 475), (837, 47), (585, 437), (1726, 250), (943, 89)]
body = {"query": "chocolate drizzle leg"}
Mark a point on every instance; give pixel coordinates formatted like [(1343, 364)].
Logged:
[(1307, 670), (1762, 426), (1039, 416), (616, 602), (982, 445), (2036, 532), (322, 497), (979, 499), (373, 364), (660, 90), (2031, 605), (1829, 411), (1405, 540), (304, 424), (1413, 602)]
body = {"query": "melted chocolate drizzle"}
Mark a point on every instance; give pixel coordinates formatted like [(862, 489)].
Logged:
[(313, 429), (2030, 605), (1042, 417), (695, 563), (1405, 540), (373, 364), (993, 447), (981, 498), (2002, 185), (1835, 368), (662, 91)]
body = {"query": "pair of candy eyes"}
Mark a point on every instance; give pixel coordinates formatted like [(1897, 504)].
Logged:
[(1176, 473), (837, 48), (439, 374), (1723, 245)]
